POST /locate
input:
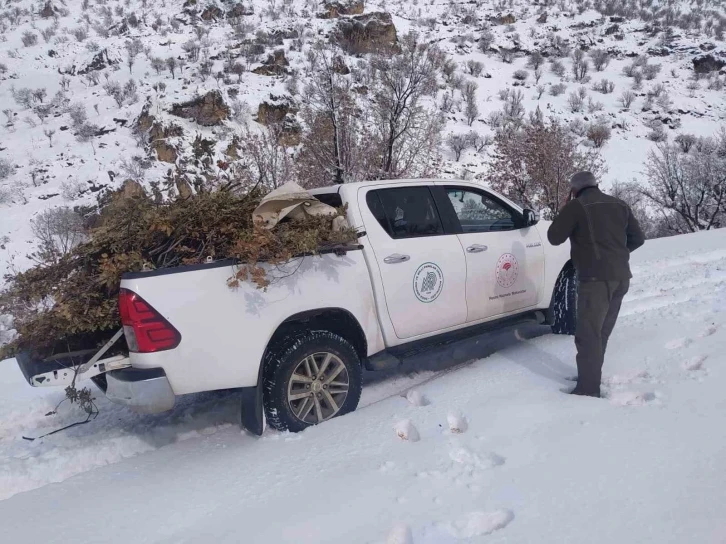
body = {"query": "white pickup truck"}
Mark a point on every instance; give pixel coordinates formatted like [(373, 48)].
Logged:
[(435, 259)]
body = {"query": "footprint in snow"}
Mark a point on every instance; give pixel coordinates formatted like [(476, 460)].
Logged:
[(678, 343), (631, 398), (708, 331), (405, 430), (627, 377), (467, 457), (400, 534), (457, 423), (416, 398), (470, 525), (695, 363)]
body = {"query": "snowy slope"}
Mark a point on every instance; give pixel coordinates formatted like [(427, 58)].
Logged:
[(523, 463), (73, 173)]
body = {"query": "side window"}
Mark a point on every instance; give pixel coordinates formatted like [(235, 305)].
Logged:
[(478, 212), (405, 212)]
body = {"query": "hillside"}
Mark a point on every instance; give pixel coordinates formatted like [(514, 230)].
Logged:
[(176, 95)]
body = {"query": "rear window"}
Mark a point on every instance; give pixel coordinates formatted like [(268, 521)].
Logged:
[(405, 212), (331, 199)]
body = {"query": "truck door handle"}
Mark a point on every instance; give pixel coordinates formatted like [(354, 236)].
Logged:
[(476, 248), (396, 258)]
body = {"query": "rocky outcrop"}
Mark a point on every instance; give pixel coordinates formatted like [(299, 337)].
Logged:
[(132, 189), (158, 135), (369, 33), (290, 133), (100, 61), (508, 19), (275, 65), (275, 110), (708, 63), (48, 11), (239, 10), (212, 13), (207, 110), (333, 10)]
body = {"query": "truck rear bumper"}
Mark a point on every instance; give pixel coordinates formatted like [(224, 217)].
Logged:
[(144, 390)]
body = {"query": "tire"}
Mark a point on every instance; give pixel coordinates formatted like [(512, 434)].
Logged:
[(563, 308), (295, 403)]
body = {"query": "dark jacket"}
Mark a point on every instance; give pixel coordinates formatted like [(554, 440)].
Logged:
[(602, 232)]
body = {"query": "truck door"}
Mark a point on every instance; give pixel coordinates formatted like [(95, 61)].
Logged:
[(504, 260), (423, 269)]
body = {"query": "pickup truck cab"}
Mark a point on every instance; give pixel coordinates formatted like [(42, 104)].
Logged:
[(435, 259)]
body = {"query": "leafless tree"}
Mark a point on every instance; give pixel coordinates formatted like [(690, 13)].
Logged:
[(600, 59), (691, 186), (269, 163), (532, 164), (458, 144), (58, 231), (470, 100), (407, 131), (49, 134), (627, 99), (172, 64), (535, 60)]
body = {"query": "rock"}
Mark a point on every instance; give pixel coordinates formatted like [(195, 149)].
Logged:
[(614, 29), (284, 34), (333, 10), (212, 13), (372, 32), (291, 133), (707, 63), (48, 11), (185, 190), (340, 67), (542, 19), (207, 110), (617, 19), (239, 10), (132, 189), (99, 61), (275, 65), (508, 19), (275, 110), (659, 51), (708, 46)]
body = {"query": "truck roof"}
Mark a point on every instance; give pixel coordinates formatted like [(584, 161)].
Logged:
[(336, 188)]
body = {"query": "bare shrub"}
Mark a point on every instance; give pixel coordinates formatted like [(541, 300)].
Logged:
[(507, 55), (540, 91), (485, 41), (474, 68), (80, 33), (598, 133), (658, 134), (78, 114), (29, 38), (650, 71), (6, 168), (471, 109), (521, 75), (604, 86), (600, 59), (58, 231), (535, 60), (575, 102), (557, 90), (580, 65), (557, 68), (627, 99), (458, 143), (685, 142)]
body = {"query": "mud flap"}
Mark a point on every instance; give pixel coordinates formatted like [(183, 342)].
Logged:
[(252, 411)]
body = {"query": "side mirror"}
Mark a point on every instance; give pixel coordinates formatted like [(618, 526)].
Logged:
[(530, 217)]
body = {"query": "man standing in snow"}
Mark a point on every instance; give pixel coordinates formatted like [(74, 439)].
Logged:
[(602, 232)]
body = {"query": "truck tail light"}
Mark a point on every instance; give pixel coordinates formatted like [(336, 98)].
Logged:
[(146, 329)]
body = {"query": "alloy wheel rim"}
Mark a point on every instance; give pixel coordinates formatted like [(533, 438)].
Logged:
[(318, 388)]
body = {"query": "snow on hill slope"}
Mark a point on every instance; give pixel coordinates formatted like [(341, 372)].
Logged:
[(495, 452), (65, 63)]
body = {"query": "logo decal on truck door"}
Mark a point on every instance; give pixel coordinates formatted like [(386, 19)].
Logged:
[(428, 281), (507, 270)]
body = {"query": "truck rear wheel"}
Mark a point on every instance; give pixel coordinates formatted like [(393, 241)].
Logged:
[(313, 376), (563, 308)]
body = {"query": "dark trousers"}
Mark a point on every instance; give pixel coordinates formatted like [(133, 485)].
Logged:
[(598, 306)]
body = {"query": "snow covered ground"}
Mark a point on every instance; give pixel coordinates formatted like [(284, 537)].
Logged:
[(495, 452)]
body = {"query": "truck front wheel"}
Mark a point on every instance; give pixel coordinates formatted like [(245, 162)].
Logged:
[(310, 377)]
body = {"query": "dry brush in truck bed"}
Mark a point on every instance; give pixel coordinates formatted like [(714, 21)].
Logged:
[(67, 302)]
